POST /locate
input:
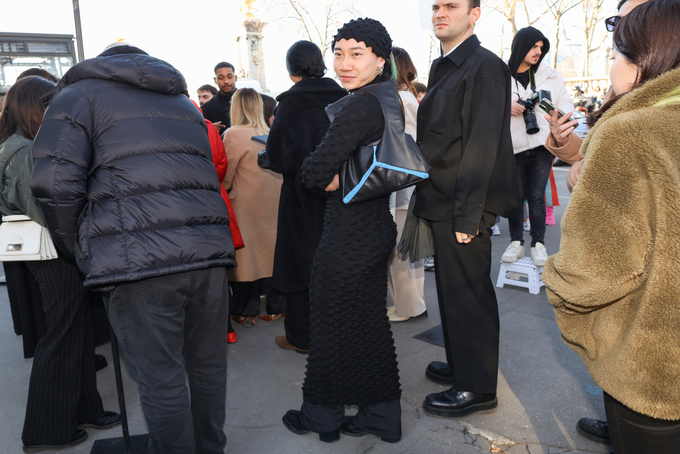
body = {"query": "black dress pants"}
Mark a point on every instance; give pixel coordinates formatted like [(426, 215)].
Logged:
[(468, 305), (382, 419), (63, 387), (297, 319), (26, 304), (635, 433)]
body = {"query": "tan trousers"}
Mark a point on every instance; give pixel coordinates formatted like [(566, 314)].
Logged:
[(405, 280)]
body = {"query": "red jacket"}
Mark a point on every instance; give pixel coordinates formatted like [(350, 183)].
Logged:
[(219, 158)]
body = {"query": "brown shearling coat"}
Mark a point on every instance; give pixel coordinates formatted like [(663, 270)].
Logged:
[(254, 194), (614, 284)]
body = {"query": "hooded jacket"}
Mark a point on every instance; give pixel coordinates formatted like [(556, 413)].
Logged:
[(123, 172), (546, 78)]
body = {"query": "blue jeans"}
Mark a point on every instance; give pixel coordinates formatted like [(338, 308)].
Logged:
[(169, 328), (533, 170)]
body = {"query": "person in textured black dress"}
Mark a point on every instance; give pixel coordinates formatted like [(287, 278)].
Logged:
[(352, 359), (300, 124)]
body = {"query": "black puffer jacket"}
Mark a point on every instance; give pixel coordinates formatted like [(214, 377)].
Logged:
[(123, 172)]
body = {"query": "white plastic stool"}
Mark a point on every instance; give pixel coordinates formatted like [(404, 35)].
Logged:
[(511, 273)]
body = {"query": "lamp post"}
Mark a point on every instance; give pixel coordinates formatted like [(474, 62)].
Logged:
[(79, 32)]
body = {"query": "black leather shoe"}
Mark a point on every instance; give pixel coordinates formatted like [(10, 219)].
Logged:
[(454, 404), (440, 373), (99, 362), (110, 420), (293, 423), (81, 436), (348, 427), (595, 430)]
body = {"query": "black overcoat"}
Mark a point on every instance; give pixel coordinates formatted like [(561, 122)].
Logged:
[(299, 125)]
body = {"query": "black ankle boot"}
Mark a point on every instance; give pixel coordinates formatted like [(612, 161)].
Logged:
[(293, 423)]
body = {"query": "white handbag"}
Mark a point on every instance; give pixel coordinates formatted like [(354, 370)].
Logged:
[(22, 239)]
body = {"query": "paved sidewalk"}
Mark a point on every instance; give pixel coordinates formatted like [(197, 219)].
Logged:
[(544, 387)]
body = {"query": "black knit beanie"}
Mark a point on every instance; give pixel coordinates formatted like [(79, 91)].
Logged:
[(371, 32)]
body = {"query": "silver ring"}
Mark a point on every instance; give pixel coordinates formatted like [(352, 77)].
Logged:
[(551, 124), (465, 238)]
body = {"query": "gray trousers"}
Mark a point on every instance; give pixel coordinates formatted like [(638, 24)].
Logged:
[(170, 329)]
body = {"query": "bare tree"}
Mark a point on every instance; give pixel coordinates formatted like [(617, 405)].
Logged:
[(593, 14), (510, 9), (317, 20), (558, 8), (507, 8)]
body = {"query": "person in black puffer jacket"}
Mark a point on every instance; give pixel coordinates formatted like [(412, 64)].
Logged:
[(123, 174)]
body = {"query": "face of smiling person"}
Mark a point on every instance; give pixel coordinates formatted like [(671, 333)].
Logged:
[(225, 80), (453, 21), (355, 64)]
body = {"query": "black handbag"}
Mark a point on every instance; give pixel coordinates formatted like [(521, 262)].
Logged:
[(395, 162)]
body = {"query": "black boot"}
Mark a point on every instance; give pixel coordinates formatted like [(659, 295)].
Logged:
[(440, 373), (349, 427), (293, 423)]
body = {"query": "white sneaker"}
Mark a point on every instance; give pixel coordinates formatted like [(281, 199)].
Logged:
[(539, 255), (527, 225), (514, 252), (495, 230), (393, 317), (429, 264)]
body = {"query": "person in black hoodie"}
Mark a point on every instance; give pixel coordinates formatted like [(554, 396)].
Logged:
[(218, 109), (300, 124), (123, 174), (532, 80)]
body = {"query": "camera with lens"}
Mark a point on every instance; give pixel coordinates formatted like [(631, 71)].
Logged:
[(529, 115)]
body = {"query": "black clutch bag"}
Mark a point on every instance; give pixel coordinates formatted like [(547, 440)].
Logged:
[(393, 163)]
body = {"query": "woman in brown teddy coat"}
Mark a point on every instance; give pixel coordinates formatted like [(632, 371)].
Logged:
[(614, 284)]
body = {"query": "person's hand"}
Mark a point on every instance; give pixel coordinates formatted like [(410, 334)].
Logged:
[(334, 185), (465, 238), (560, 129), (516, 109), (219, 125)]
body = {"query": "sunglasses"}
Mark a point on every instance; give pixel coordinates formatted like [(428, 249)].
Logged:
[(611, 22)]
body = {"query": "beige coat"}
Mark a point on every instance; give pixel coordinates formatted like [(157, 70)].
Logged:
[(254, 194), (406, 280), (614, 283)]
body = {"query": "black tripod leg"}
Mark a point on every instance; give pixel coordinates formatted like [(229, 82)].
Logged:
[(119, 388)]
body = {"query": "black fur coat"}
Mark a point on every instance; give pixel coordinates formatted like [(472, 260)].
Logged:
[(299, 125)]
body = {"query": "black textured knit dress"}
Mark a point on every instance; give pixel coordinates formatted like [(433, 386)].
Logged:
[(352, 359)]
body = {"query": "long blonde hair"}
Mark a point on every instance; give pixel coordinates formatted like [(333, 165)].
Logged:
[(247, 109)]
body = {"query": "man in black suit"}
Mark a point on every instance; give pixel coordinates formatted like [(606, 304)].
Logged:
[(464, 134)]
